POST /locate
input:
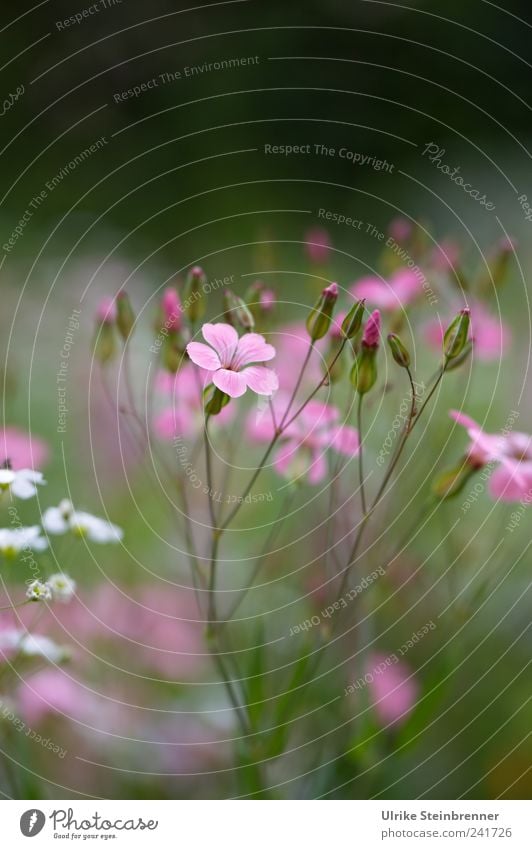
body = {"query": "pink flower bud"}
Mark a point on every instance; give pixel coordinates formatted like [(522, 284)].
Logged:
[(106, 310), (267, 300), (318, 245), (171, 306), (400, 229), (372, 330)]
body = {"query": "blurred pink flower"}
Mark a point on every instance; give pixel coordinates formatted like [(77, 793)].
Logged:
[(172, 309), (489, 334), (402, 288), (230, 360), (23, 450), (305, 441), (445, 255), (400, 229), (184, 417), (317, 245), (292, 343), (393, 689), (52, 690), (511, 452), (106, 310)]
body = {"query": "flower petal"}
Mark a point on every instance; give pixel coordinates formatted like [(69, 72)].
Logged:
[(318, 470), (230, 382), (23, 488), (53, 521), (224, 340), (252, 348), (344, 439), (260, 379), (203, 356)]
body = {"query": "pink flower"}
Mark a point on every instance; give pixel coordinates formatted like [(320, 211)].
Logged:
[(445, 256), (393, 689), (318, 244), (511, 452), (52, 690), (372, 330), (400, 229), (488, 333), (23, 450), (402, 288), (184, 415), (106, 310), (172, 310), (230, 360), (306, 440)]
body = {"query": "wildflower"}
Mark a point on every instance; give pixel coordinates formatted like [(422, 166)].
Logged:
[(104, 345), (229, 360), (402, 288), (63, 587), (400, 229), (37, 591), (37, 645), (305, 441), (456, 335), (22, 483), (19, 450), (194, 300), (399, 352), (62, 519), (237, 311), (511, 453), (15, 540), (317, 245), (393, 689)]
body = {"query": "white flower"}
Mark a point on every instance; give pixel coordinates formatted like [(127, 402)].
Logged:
[(37, 591), (60, 520), (32, 645), (62, 586), (22, 484), (15, 540)]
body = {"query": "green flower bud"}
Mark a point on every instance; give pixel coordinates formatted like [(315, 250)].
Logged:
[(125, 317), (353, 320), (461, 358), (319, 319), (194, 297), (237, 312), (399, 352), (451, 483), (364, 372), (456, 335), (172, 354)]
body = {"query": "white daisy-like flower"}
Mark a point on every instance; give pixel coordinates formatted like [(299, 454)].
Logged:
[(62, 586), (15, 540), (22, 483), (37, 591), (62, 519)]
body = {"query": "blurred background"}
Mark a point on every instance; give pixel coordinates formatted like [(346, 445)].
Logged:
[(138, 141)]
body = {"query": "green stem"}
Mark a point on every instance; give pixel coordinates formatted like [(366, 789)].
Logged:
[(360, 456)]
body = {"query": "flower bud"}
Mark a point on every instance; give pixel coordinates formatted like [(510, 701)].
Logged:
[(456, 335), (318, 245), (237, 312), (216, 402), (372, 330), (172, 354), (260, 300), (172, 310), (399, 352), (461, 358), (104, 343), (194, 302), (451, 483), (319, 319), (353, 320), (364, 371), (125, 317)]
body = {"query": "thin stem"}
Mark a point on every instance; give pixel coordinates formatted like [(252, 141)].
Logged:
[(298, 383), (325, 379), (360, 455)]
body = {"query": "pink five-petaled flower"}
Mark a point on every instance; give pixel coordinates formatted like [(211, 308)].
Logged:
[(393, 294), (305, 441), (231, 360), (512, 452)]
